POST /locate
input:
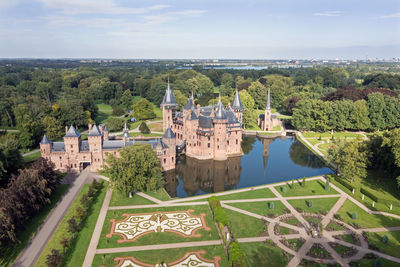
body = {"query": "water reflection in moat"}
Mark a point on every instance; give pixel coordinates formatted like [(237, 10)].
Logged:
[(264, 161)]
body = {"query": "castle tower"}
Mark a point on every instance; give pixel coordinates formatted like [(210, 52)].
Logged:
[(187, 109), (106, 132), (169, 139), (72, 140), (237, 107), (95, 139), (267, 114), (169, 107), (220, 121), (45, 147)]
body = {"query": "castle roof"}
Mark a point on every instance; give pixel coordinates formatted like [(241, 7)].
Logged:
[(220, 113), (205, 122), (190, 103), (206, 111), (193, 116), (231, 116), (45, 140), (105, 129), (169, 133), (159, 143), (95, 131), (236, 103), (72, 132), (169, 98)]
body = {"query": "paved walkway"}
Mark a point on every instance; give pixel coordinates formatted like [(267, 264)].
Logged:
[(32, 251)]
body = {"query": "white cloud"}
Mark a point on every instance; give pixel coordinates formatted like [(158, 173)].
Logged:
[(75, 7), (391, 16), (335, 13)]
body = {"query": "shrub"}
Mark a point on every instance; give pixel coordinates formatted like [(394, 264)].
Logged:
[(271, 205), (303, 183), (369, 194), (354, 215), (327, 185), (344, 183), (283, 189), (118, 111), (310, 203), (292, 185), (85, 200), (115, 124), (143, 128), (220, 216), (54, 259), (214, 202), (237, 257), (80, 213), (378, 263), (385, 239), (73, 226)]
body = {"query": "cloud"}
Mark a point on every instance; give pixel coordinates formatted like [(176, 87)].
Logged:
[(110, 7), (335, 13), (390, 16)]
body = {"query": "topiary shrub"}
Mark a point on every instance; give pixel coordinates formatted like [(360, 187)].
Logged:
[(271, 205), (214, 202), (378, 263), (237, 257), (143, 128), (354, 215), (303, 183), (220, 216), (327, 185), (310, 203), (385, 239)]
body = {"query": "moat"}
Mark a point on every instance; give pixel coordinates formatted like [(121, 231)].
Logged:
[(264, 161)]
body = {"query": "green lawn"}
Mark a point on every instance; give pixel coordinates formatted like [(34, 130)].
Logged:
[(32, 157), (80, 244), (371, 263), (364, 219), (262, 208), (104, 107), (166, 255), (23, 236), (313, 141), (315, 187), (120, 199), (245, 226), (382, 185), (256, 193), (276, 128), (320, 205), (393, 245), (328, 134), (252, 127), (159, 237), (262, 254), (160, 194)]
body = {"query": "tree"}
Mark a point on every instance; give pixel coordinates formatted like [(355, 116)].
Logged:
[(144, 110), (180, 98), (54, 259), (391, 140), (52, 127), (144, 129), (64, 242), (117, 111), (114, 124), (137, 169), (10, 157), (73, 226), (259, 93), (249, 115), (126, 99), (376, 105), (28, 125)]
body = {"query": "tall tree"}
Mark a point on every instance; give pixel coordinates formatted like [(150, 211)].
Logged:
[(126, 99), (143, 110)]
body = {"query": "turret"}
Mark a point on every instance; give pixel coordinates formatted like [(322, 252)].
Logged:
[(95, 139), (72, 140), (106, 132), (169, 107), (45, 147), (220, 121), (267, 114), (169, 139), (237, 107)]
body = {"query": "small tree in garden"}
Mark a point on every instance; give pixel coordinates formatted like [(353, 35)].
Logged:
[(54, 259), (310, 203), (80, 212), (143, 128), (271, 205), (73, 226), (292, 184), (64, 242), (385, 239), (303, 183), (283, 189), (354, 215), (327, 185)]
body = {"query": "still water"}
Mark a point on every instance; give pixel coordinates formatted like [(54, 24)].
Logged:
[(264, 161)]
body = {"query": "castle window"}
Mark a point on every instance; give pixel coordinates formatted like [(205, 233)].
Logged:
[(217, 139), (227, 142), (172, 159), (71, 146), (208, 138), (217, 147), (60, 165), (71, 165), (208, 145), (236, 141), (165, 152), (75, 165), (165, 161), (60, 158)]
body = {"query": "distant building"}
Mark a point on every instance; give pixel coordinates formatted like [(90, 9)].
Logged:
[(267, 121), (75, 154), (206, 132)]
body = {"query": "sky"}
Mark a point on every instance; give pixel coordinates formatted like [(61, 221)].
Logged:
[(207, 29)]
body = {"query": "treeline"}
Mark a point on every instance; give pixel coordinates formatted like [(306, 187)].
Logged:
[(378, 112), (26, 194)]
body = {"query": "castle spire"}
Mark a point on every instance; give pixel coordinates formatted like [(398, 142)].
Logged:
[(268, 106), (236, 103), (169, 98)]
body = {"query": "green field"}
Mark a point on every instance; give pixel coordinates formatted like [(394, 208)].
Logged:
[(320, 205), (261, 254), (80, 244), (32, 157), (245, 226), (261, 208), (314, 187), (392, 246), (120, 199), (23, 236), (165, 255), (159, 237), (329, 135)]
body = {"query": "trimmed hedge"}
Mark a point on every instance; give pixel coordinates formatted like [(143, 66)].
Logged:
[(344, 183), (369, 194), (220, 216), (214, 202), (237, 257)]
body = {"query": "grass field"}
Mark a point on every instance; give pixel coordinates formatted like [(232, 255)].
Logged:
[(120, 199), (320, 205), (262, 208), (245, 226), (165, 255), (32, 157), (160, 194), (393, 245), (314, 187), (256, 193), (329, 135), (8, 255), (159, 237), (364, 219), (259, 253), (80, 244)]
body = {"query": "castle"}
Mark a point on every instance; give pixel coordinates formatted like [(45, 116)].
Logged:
[(207, 132), (267, 121), (204, 132)]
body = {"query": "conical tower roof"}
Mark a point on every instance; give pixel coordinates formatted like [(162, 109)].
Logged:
[(169, 98), (45, 140), (95, 131), (236, 103), (220, 113), (72, 132), (169, 133)]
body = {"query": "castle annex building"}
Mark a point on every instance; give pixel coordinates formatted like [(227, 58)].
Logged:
[(201, 132), (207, 132)]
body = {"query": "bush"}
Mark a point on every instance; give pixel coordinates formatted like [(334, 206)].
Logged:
[(283, 189), (344, 183), (143, 128), (220, 216), (118, 111), (237, 257), (369, 194), (54, 259), (310, 203), (214, 202), (354, 215), (271, 205), (73, 226), (303, 183), (115, 124), (385, 239), (327, 185)]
